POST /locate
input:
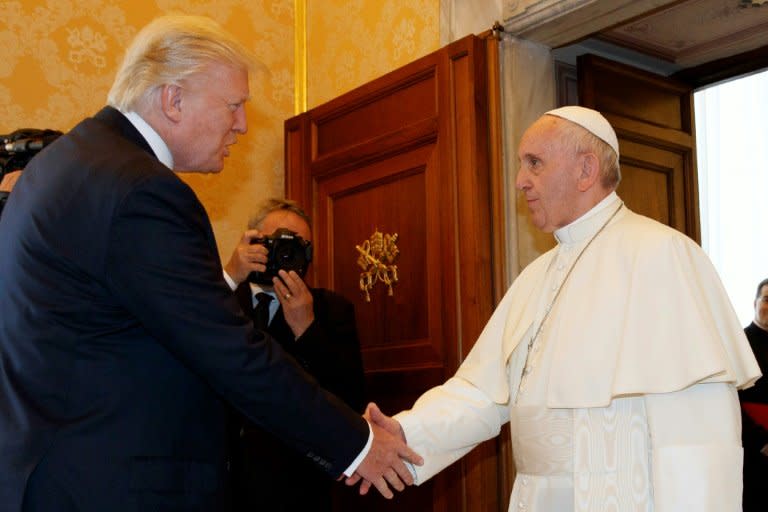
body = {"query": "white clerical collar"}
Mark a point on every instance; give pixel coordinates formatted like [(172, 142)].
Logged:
[(154, 140), (588, 224)]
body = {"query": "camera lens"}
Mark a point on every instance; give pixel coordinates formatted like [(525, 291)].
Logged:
[(284, 254)]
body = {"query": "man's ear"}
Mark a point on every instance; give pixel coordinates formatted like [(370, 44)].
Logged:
[(589, 171), (170, 101)]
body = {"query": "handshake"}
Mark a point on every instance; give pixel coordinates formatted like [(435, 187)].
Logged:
[(385, 463)]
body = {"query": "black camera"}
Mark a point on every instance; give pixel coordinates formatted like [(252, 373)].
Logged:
[(287, 251), (18, 148)]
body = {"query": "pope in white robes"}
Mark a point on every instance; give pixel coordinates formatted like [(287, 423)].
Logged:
[(615, 356)]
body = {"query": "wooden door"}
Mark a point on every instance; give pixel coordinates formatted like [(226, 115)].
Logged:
[(653, 119), (407, 155)]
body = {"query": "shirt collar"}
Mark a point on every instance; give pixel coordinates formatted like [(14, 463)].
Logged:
[(154, 140), (588, 224), (274, 304), (257, 288)]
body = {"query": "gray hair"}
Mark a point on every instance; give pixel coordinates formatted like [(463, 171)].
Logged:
[(170, 49), (273, 205), (581, 140)]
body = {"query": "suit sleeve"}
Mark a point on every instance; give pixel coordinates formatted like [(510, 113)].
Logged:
[(163, 265)]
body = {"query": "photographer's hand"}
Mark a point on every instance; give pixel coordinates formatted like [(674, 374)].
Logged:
[(296, 300), (246, 257)]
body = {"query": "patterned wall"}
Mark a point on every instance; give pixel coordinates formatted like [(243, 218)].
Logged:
[(59, 58), (350, 42)]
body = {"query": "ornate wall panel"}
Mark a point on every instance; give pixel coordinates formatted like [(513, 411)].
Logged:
[(350, 42)]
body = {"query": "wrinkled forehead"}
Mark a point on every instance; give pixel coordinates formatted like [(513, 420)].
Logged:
[(542, 136)]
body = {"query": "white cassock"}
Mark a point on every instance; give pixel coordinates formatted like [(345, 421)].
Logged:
[(628, 401)]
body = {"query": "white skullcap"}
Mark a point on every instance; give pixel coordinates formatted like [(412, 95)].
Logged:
[(591, 120)]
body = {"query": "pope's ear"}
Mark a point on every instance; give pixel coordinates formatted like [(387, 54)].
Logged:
[(170, 101), (589, 171)]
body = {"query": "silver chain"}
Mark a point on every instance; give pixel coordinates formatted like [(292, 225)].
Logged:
[(557, 294)]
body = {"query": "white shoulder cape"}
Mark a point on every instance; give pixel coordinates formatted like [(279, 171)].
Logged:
[(642, 312)]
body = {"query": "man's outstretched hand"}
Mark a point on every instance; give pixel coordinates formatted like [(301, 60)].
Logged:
[(384, 466)]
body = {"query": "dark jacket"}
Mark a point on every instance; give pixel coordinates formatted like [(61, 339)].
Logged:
[(120, 341), (754, 436)]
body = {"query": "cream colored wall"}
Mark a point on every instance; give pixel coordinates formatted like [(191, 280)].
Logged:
[(59, 58)]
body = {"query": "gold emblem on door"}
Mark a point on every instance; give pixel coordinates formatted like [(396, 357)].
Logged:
[(377, 256)]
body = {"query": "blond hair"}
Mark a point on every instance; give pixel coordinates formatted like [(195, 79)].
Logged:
[(167, 51)]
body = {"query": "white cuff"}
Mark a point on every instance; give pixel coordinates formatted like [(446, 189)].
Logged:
[(359, 459), (231, 282)]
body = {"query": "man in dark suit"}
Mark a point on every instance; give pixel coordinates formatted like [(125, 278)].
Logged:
[(119, 340), (314, 325), (754, 406)]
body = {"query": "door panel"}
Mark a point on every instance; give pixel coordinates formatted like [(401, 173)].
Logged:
[(389, 196), (653, 119), (408, 154), (649, 178)]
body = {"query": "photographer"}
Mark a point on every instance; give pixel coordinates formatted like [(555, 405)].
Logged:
[(316, 327)]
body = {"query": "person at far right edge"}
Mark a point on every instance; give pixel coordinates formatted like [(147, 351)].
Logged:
[(615, 357), (754, 407)]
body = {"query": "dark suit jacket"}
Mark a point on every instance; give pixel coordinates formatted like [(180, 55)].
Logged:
[(120, 341), (753, 435), (330, 351)]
